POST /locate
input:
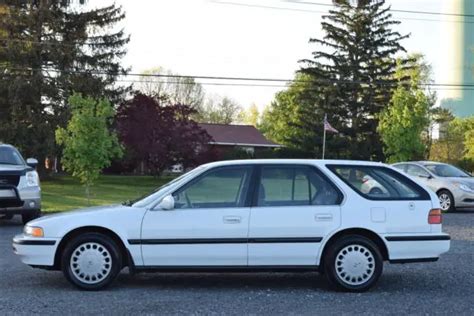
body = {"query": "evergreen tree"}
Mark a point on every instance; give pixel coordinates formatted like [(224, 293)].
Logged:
[(48, 49), (352, 79)]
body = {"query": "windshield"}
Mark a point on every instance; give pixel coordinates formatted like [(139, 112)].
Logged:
[(151, 197), (447, 171), (10, 156)]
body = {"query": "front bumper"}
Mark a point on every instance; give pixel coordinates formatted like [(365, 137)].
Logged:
[(35, 251), (463, 199), (404, 247), (22, 201)]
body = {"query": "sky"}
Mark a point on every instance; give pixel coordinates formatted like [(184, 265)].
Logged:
[(247, 38)]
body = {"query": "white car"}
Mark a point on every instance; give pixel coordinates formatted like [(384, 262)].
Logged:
[(249, 215)]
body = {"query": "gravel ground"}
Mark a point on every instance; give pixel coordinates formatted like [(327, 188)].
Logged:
[(443, 287)]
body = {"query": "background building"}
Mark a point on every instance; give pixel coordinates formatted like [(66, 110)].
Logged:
[(458, 58)]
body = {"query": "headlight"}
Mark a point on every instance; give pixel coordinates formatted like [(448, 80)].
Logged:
[(465, 187), (33, 231), (32, 179)]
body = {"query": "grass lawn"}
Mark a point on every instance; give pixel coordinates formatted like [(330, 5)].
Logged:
[(64, 193)]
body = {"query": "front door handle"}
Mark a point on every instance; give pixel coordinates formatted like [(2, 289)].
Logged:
[(232, 219), (323, 217)]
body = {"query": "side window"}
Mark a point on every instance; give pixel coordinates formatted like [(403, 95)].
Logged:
[(295, 186), (223, 187), (416, 171), (401, 167), (379, 183)]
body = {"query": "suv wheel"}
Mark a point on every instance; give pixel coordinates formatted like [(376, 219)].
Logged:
[(353, 263), (27, 217), (91, 261), (446, 201)]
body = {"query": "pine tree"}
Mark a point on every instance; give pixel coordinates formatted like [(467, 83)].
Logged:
[(48, 50), (352, 75)]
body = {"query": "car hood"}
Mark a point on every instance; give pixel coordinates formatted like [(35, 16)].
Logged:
[(6, 167), (96, 210), (469, 180)]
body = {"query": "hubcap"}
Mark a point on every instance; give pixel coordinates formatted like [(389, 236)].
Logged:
[(355, 264), (444, 201), (91, 263)]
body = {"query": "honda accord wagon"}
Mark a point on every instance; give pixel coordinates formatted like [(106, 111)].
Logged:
[(249, 216)]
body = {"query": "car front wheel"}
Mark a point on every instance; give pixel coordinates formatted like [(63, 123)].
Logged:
[(353, 263), (91, 261)]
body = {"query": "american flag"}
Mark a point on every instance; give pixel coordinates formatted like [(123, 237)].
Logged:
[(328, 127)]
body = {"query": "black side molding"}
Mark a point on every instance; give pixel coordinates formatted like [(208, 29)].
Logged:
[(191, 241), (218, 269), (413, 260), (418, 238), (35, 242)]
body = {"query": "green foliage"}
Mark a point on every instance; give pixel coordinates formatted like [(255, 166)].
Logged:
[(403, 125), (251, 116), (89, 146), (350, 79), (48, 50), (455, 144), (219, 111)]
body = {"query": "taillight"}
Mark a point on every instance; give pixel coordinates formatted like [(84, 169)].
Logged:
[(435, 217)]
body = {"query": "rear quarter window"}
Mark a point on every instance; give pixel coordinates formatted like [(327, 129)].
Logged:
[(379, 183)]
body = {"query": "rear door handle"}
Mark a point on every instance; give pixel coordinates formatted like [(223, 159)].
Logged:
[(323, 217), (232, 219)]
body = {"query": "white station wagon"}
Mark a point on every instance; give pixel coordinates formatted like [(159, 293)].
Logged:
[(249, 215)]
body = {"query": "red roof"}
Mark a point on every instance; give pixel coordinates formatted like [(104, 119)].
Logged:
[(243, 135)]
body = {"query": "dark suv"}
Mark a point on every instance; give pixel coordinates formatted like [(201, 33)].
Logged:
[(20, 191)]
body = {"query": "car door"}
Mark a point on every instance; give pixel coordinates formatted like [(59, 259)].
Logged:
[(208, 225), (421, 175), (294, 208)]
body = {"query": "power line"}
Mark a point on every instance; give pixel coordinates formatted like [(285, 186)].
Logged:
[(325, 12), (393, 10), (256, 79)]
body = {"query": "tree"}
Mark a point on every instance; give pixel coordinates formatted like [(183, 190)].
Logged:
[(160, 135), (351, 79), (251, 116), (171, 88), (89, 145), (219, 110), (404, 124), (48, 49)]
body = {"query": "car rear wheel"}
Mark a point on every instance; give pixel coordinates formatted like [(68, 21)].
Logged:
[(446, 201), (353, 264), (91, 261)]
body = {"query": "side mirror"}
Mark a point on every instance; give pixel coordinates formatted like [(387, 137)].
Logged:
[(425, 176), (32, 162), (167, 203)]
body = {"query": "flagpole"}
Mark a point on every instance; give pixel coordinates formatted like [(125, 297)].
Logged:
[(324, 134)]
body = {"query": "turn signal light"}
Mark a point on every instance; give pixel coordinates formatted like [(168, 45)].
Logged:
[(435, 216), (33, 231)]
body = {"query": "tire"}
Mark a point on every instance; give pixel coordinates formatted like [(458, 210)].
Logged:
[(27, 217), (446, 200), (91, 261), (353, 264)]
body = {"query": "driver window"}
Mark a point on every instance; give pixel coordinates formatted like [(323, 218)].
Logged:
[(223, 187), (416, 171)]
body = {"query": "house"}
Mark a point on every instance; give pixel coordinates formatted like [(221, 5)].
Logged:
[(227, 137)]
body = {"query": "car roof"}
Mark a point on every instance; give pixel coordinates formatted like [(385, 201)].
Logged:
[(318, 162), (421, 162)]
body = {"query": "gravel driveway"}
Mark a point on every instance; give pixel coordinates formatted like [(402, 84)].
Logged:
[(443, 287)]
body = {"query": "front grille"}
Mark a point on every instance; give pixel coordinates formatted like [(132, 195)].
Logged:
[(9, 180), (10, 203)]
